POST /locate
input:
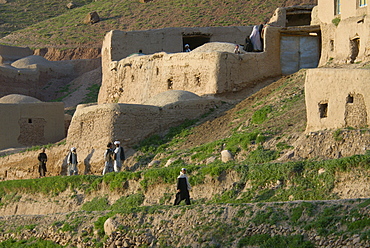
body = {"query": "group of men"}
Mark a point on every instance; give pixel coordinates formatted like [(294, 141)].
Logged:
[(114, 155)]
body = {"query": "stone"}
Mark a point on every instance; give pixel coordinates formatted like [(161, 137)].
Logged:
[(170, 161), (226, 156), (211, 159), (71, 5), (110, 225), (321, 171), (154, 163), (118, 243), (92, 18)]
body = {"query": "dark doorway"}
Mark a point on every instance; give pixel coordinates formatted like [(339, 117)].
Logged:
[(195, 40), (354, 47)]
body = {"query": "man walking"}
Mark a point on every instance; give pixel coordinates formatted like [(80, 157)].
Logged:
[(183, 187), (42, 162)]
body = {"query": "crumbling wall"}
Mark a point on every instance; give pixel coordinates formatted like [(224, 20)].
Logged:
[(345, 37), (93, 126), (337, 98), (356, 112), (30, 79), (27, 124), (9, 54), (135, 79), (31, 131)]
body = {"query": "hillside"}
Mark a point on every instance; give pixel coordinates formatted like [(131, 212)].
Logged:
[(254, 199), (282, 187), (52, 24)]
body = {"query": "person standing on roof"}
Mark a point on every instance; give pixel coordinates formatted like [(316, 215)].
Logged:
[(256, 39), (119, 156)]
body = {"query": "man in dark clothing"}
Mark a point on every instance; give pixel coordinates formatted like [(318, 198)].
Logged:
[(42, 162), (183, 187), (72, 162)]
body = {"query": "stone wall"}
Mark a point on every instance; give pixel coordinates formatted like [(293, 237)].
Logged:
[(27, 124), (337, 98), (135, 79)]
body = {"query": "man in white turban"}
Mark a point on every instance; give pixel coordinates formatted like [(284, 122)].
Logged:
[(119, 156), (72, 162)]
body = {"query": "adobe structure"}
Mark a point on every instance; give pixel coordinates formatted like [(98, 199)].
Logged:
[(345, 30), (21, 72), (205, 72), (338, 98), (141, 65), (30, 122), (98, 124)]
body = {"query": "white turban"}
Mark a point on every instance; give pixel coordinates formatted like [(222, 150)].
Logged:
[(117, 142)]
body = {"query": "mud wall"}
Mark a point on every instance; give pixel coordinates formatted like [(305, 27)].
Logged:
[(135, 79), (337, 98), (28, 124), (348, 41), (93, 126)]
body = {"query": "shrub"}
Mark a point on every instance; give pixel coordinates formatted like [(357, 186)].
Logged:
[(261, 155), (125, 204), (260, 115), (96, 204), (336, 21)]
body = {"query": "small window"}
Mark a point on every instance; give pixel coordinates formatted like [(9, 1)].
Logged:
[(323, 108), (337, 7), (332, 45), (349, 99), (169, 84), (362, 3), (29, 120)]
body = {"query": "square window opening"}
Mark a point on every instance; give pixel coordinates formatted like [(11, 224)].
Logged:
[(350, 99)]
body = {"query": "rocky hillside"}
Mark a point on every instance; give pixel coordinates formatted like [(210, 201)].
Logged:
[(290, 224), (280, 187), (51, 23)]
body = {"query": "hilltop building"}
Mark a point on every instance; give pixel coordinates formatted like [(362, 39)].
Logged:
[(339, 97), (163, 65), (152, 64)]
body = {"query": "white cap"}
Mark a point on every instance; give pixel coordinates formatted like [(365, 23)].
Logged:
[(183, 169), (73, 149), (186, 45), (117, 142)]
